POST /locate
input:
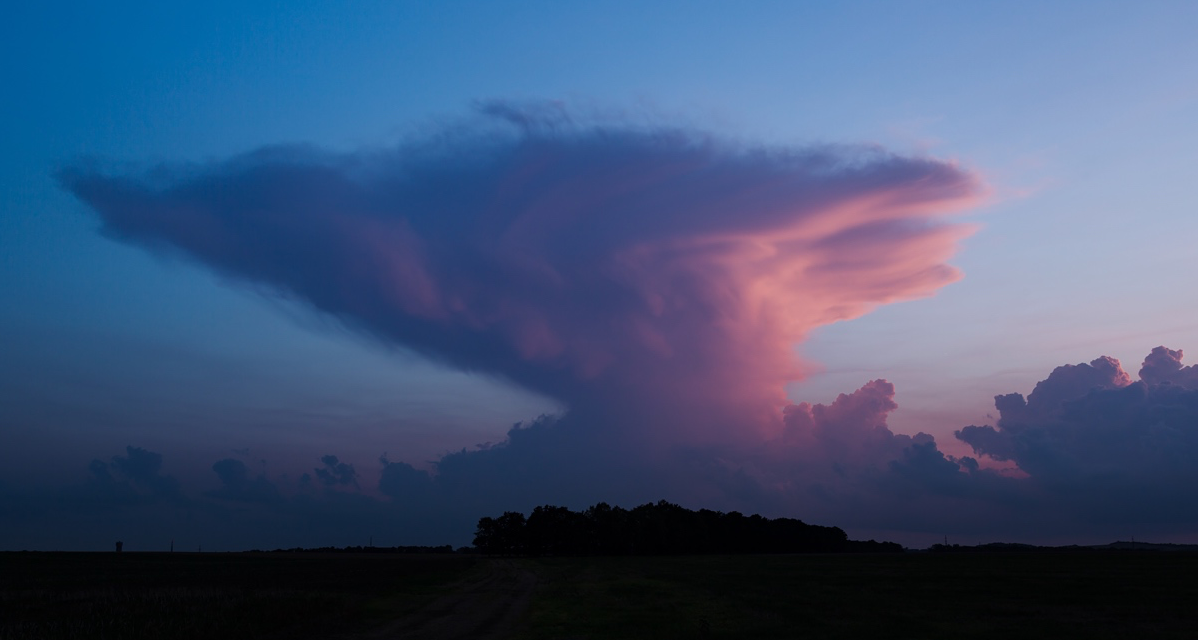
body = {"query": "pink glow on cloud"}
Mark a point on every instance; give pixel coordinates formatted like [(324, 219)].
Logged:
[(657, 282), (652, 273), (1163, 366)]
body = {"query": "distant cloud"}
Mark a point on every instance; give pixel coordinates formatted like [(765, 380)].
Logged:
[(134, 478), (403, 482), (1163, 366), (334, 472), (1095, 443), (1099, 455), (238, 486)]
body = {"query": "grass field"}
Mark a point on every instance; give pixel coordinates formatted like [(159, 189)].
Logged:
[(1032, 595), (1101, 595), (213, 595)]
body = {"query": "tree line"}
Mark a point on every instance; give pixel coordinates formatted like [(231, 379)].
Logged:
[(660, 528)]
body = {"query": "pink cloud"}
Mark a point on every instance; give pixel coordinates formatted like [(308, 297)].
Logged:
[(600, 263), (1164, 366)]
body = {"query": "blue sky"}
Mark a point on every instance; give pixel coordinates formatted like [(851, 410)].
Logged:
[(1077, 115)]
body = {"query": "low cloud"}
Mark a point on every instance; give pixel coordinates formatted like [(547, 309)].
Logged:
[(1096, 443), (1099, 456), (238, 486), (402, 482), (134, 478), (334, 472)]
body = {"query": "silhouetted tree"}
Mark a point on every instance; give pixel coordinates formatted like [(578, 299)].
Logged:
[(658, 528), (504, 534)]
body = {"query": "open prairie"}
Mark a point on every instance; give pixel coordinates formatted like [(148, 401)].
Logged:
[(912, 595), (216, 595), (343, 595)]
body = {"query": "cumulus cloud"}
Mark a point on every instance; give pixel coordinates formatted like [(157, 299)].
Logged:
[(1163, 366), (402, 481), (851, 429), (134, 478), (334, 472), (1098, 454), (842, 461), (1093, 441)]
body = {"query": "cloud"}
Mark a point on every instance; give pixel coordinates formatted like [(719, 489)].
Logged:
[(655, 280), (650, 272), (1047, 401), (1163, 366), (1095, 443), (842, 463), (401, 481), (852, 428), (336, 472), (237, 486), (134, 478), (1098, 456)]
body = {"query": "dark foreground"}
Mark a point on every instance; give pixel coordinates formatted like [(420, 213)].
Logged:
[(1055, 595), (217, 595), (1043, 595)]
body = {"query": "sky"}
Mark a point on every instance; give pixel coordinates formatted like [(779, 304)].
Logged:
[(299, 274)]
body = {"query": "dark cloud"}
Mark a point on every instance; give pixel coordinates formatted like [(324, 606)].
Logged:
[(133, 478), (238, 486), (334, 472), (1098, 456), (1095, 443), (401, 481)]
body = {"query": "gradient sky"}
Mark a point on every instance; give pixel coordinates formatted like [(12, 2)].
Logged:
[(1060, 137)]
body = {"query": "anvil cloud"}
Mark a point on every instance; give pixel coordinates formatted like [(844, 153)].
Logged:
[(658, 276)]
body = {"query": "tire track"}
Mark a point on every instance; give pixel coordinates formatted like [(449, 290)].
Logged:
[(489, 607)]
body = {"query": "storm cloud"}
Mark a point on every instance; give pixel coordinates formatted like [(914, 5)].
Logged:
[(655, 280), (663, 274)]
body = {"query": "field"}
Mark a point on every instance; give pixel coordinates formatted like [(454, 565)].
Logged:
[(215, 595), (1029, 595), (1032, 595)]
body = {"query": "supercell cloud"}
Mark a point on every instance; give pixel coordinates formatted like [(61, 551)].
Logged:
[(654, 280)]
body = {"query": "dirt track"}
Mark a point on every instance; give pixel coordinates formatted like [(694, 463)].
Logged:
[(487, 607)]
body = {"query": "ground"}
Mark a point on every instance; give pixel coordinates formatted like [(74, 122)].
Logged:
[(1111, 594)]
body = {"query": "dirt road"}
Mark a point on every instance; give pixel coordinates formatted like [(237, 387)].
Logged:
[(486, 607)]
